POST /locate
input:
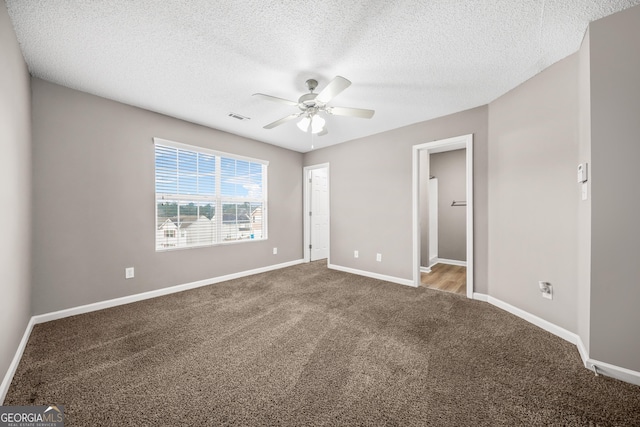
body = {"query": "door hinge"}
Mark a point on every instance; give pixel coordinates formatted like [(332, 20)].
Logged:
[(309, 213), (309, 246)]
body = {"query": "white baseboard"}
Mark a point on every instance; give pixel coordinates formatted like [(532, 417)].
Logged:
[(481, 297), (41, 318), (406, 282), (617, 372), (584, 353), (425, 269), (622, 374), (450, 262), (607, 369), (538, 321), (6, 382)]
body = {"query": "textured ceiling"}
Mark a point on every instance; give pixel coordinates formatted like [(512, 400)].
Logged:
[(199, 60)]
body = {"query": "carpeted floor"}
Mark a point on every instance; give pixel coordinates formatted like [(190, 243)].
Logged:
[(309, 346)]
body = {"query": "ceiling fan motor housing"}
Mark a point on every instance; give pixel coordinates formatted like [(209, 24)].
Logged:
[(306, 101)]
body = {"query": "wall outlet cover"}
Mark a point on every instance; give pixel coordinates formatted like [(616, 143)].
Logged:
[(546, 289), (129, 273)]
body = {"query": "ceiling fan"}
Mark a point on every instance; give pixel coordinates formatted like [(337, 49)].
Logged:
[(311, 104)]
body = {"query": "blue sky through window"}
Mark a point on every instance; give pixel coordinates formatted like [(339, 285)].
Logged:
[(189, 173)]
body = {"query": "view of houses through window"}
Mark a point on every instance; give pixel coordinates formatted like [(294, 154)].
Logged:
[(205, 198)]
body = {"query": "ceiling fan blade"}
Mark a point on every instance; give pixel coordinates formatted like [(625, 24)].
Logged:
[(335, 86), (351, 112), (282, 120), (323, 132), (276, 99)]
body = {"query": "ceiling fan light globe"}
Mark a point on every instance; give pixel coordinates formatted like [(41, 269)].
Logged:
[(304, 124), (317, 124)]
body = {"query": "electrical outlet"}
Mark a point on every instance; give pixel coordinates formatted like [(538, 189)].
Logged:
[(355, 254), (128, 273), (275, 251), (546, 289), (379, 257)]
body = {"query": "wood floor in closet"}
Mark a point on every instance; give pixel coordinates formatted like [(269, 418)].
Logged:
[(445, 277)]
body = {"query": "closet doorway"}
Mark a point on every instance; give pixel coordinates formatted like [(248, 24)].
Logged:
[(456, 215)]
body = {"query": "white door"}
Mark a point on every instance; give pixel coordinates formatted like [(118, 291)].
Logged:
[(319, 208), (433, 221)]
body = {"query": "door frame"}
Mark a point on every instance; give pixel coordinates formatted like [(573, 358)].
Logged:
[(433, 217), (306, 223), (455, 143)]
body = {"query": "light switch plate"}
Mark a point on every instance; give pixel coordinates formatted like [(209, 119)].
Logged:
[(583, 172)]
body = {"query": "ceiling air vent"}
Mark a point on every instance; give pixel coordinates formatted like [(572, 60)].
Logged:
[(238, 116)]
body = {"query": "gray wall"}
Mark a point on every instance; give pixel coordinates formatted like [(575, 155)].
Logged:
[(94, 203), (615, 150), (533, 202), (15, 192), (371, 199), (584, 206), (451, 170)]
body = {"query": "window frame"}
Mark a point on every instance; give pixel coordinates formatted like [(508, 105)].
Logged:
[(217, 199)]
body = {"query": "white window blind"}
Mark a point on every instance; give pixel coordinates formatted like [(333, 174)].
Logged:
[(206, 198)]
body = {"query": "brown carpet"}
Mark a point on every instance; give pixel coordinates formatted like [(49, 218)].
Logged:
[(310, 346)]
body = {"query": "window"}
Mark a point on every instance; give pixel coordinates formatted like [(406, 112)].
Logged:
[(206, 198)]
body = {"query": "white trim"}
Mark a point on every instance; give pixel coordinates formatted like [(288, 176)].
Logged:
[(531, 318), (426, 269), (480, 297), (584, 353), (406, 282), (189, 147), (415, 214), (8, 377), (458, 142), (622, 374), (156, 293), (538, 321), (450, 262), (306, 197), (607, 369)]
